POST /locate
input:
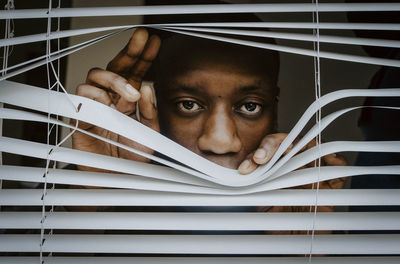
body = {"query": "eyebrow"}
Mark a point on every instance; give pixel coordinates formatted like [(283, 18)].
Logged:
[(249, 88), (253, 88), (197, 90), (188, 89)]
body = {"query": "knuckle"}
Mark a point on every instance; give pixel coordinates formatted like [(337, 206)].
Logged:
[(135, 78), (93, 71), (117, 81), (101, 93), (102, 97), (81, 88), (270, 141), (115, 78), (140, 72), (265, 140)]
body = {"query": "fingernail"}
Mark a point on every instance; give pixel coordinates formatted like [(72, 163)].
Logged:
[(245, 165), (150, 91), (113, 106), (152, 97), (260, 154), (132, 92)]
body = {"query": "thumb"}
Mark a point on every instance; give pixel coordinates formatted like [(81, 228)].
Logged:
[(147, 108)]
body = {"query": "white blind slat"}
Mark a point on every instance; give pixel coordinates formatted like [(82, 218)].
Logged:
[(73, 156), (197, 9), (129, 181), (293, 25), (295, 197), (194, 27), (85, 178), (297, 36), (203, 221), (41, 60), (202, 260), (300, 51), (57, 35), (206, 244)]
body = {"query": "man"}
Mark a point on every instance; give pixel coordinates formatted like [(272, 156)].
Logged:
[(217, 99)]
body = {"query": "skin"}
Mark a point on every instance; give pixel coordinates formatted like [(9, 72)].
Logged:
[(115, 87), (219, 106), (216, 108)]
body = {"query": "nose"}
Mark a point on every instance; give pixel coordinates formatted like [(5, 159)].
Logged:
[(219, 134)]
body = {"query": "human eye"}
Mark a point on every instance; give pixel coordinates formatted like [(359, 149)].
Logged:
[(250, 109), (188, 106)]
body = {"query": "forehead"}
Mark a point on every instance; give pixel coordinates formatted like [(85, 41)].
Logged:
[(180, 55)]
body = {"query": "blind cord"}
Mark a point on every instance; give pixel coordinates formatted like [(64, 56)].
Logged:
[(48, 51), (317, 71), (8, 33), (58, 83)]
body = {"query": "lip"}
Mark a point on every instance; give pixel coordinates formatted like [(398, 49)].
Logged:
[(230, 160)]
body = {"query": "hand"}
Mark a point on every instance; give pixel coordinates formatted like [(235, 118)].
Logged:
[(264, 153), (270, 144), (118, 87)]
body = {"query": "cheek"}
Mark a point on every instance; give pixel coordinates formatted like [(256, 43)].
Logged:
[(183, 131), (252, 132)]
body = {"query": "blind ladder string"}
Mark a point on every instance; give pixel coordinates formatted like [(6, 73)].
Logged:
[(48, 48), (316, 93), (8, 33), (317, 70), (57, 117), (58, 85)]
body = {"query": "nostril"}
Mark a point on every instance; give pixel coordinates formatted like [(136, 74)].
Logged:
[(219, 144), (219, 133)]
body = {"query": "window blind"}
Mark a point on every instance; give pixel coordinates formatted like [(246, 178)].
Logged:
[(185, 179)]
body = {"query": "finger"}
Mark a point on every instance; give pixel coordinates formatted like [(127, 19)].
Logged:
[(247, 166), (143, 64), (114, 83), (129, 55), (337, 183), (268, 147), (309, 145), (126, 107), (335, 160), (146, 103), (288, 149), (294, 143), (147, 107), (93, 93)]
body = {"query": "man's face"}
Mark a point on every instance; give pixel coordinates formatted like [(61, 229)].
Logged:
[(216, 107)]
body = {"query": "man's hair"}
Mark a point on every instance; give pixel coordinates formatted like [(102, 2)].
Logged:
[(267, 59)]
